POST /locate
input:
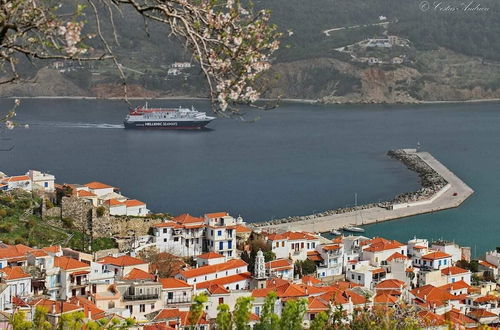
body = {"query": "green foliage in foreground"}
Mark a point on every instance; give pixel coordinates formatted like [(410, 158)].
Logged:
[(68, 321), (294, 311)]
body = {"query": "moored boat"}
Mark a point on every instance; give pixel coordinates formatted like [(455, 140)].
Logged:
[(335, 232), (354, 229)]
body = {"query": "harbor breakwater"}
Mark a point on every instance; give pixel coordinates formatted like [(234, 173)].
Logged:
[(435, 180)]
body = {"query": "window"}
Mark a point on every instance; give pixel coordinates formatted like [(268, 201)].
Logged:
[(170, 295), (219, 233), (444, 261), (165, 240), (46, 184), (221, 245), (229, 244), (293, 245), (142, 308), (277, 244), (237, 286), (111, 304), (130, 308), (152, 306), (313, 245), (308, 246), (352, 276), (212, 232), (221, 300), (302, 245), (176, 239), (283, 244), (165, 230), (359, 277)]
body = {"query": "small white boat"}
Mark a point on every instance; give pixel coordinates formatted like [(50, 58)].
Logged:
[(354, 229), (335, 232)]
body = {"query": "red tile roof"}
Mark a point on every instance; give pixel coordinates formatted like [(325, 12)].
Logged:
[(455, 286), (279, 264), (187, 218), (436, 255), (430, 319), (138, 274), (481, 313), (292, 236), (331, 247), (217, 289), (209, 269), (173, 283), (175, 314), (133, 202), (58, 305), (240, 229), (390, 284), (314, 256), (114, 202), (68, 263), (310, 280), (379, 244), (97, 185), (453, 270), (85, 193), (52, 249), (216, 215), (486, 298), (431, 294), (396, 255), (122, 261), (88, 306), (14, 273), (225, 280), (386, 299), (487, 264), (210, 255), (16, 178), (15, 251)]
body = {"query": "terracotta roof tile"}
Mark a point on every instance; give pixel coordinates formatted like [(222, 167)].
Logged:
[(187, 218), (225, 280), (14, 273), (68, 263), (436, 255), (122, 261), (133, 202), (453, 270), (208, 269), (279, 264), (138, 274), (173, 283), (210, 255), (216, 215), (97, 185)]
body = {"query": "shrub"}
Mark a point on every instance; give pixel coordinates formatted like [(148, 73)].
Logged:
[(6, 227), (20, 240), (68, 222), (100, 211), (3, 213)]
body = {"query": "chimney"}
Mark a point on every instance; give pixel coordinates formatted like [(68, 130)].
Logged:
[(53, 308)]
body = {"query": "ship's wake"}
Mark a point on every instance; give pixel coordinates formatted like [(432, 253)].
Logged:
[(77, 125)]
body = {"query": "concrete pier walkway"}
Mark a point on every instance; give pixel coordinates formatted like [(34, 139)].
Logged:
[(450, 196)]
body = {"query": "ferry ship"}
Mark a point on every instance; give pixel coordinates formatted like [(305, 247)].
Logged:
[(166, 118)]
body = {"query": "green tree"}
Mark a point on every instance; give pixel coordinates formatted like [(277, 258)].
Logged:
[(223, 319), (196, 309), (18, 321), (241, 313), (269, 320), (305, 267), (319, 322), (71, 321), (292, 315), (269, 256), (40, 319)]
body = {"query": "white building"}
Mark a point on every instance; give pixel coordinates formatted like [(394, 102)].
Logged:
[(220, 233), (136, 208), (18, 284), (281, 268), (332, 260), (379, 249), (182, 236), (209, 273), (292, 245), (99, 188), (493, 257), (17, 182), (361, 272), (448, 247), (433, 260), (455, 274), (43, 181), (176, 293)]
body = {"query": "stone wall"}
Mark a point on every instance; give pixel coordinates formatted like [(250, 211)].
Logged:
[(85, 218)]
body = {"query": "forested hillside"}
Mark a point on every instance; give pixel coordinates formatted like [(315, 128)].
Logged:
[(448, 53)]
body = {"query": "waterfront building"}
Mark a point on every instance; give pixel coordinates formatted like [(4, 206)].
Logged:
[(41, 181), (220, 233), (17, 182), (448, 247), (455, 274), (433, 261), (493, 257), (292, 245), (329, 259), (380, 249)]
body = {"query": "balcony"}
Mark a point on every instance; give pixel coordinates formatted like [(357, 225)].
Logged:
[(136, 297), (179, 300)]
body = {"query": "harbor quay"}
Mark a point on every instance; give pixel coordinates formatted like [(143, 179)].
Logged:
[(452, 194)]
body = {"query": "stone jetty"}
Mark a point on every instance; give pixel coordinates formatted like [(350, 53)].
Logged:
[(440, 190)]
